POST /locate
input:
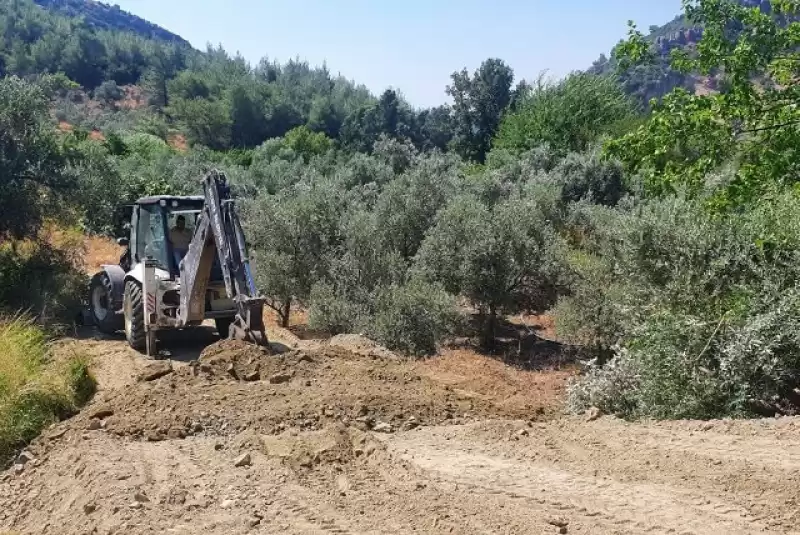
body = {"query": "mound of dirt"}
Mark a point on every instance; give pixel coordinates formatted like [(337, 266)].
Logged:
[(236, 386), (237, 360), (361, 345), (333, 445)]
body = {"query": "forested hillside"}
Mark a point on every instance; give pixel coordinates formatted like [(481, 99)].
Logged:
[(220, 101), (110, 17)]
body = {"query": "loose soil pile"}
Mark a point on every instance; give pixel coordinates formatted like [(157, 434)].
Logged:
[(345, 437), (235, 386)]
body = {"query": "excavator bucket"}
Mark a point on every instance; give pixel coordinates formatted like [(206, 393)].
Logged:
[(248, 325)]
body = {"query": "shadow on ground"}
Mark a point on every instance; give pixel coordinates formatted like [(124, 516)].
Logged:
[(184, 345), (519, 345)]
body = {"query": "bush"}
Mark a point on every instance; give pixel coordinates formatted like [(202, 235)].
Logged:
[(32, 168), (291, 234), (43, 275), (610, 387), (707, 310), (503, 258), (109, 92), (413, 318), (146, 145), (333, 310), (35, 389), (586, 176)]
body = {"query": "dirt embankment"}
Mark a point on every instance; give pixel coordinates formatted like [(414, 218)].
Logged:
[(345, 437)]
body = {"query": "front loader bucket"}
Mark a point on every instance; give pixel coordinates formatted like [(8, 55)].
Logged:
[(248, 325)]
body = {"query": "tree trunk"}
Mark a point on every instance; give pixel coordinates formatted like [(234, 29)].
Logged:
[(284, 314), (490, 323)]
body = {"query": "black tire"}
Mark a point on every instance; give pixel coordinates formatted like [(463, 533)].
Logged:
[(134, 316), (101, 305), (223, 327)]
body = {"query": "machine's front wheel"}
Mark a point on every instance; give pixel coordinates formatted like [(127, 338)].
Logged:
[(101, 302), (134, 316)]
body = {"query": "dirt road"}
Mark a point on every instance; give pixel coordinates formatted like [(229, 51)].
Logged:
[(346, 438)]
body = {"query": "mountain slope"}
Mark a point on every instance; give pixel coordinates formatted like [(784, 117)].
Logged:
[(645, 82), (102, 16)]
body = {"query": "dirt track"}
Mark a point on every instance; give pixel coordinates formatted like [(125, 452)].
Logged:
[(476, 449)]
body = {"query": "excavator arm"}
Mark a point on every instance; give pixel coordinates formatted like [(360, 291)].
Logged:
[(218, 233)]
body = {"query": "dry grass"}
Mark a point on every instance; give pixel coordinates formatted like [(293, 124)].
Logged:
[(22, 354), (99, 250), (35, 389)]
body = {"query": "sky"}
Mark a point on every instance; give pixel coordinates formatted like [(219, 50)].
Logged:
[(410, 45)]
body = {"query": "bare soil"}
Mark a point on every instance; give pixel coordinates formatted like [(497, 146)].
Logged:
[(343, 436)]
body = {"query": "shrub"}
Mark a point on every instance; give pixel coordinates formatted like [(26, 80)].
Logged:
[(109, 92), (43, 275), (32, 171), (307, 143), (503, 259), (586, 176), (291, 235), (707, 310), (35, 389), (334, 311), (413, 318), (569, 115), (146, 145), (610, 387)]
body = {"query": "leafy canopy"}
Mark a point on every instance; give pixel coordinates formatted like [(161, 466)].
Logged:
[(753, 122), (568, 116)]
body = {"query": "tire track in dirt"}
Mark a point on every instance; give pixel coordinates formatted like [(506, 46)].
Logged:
[(596, 503)]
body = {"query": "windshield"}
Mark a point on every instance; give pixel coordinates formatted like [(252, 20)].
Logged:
[(189, 216), (150, 233)]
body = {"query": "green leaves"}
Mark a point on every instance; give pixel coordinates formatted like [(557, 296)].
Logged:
[(568, 116), (751, 121), (32, 166), (479, 103)]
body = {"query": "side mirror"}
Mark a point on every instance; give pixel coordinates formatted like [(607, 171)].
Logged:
[(123, 242)]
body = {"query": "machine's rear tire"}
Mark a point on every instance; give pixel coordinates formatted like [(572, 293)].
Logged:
[(223, 327), (101, 305), (133, 306)]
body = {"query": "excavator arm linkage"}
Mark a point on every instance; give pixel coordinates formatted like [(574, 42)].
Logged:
[(219, 233)]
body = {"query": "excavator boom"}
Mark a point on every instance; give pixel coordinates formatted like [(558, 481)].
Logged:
[(218, 233)]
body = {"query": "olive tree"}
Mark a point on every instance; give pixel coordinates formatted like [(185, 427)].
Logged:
[(291, 234), (501, 259), (32, 167)]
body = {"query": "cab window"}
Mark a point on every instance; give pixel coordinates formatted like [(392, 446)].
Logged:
[(150, 235)]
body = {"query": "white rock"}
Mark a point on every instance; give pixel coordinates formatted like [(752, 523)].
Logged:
[(24, 458), (383, 427), (242, 460)]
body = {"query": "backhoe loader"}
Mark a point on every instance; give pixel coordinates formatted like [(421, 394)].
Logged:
[(185, 261)]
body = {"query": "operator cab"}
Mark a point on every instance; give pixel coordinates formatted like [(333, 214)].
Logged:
[(154, 227), (152, 223)]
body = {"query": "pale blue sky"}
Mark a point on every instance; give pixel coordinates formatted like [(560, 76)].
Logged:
[(411, 45)]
